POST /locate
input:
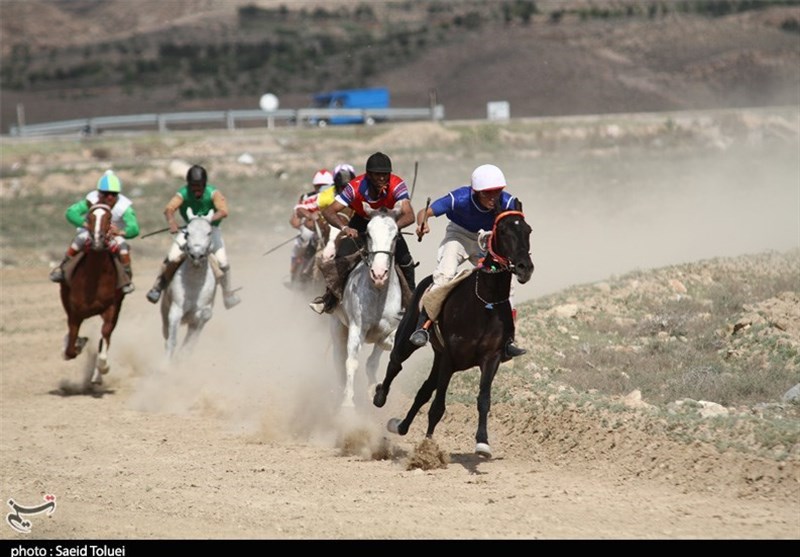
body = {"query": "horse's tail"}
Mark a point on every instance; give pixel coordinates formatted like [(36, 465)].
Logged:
[(408, 324)]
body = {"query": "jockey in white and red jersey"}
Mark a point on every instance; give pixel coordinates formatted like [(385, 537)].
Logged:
[(305, 218), (378, 188)]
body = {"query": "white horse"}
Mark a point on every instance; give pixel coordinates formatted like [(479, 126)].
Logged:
[(189, 298), (371, 305)]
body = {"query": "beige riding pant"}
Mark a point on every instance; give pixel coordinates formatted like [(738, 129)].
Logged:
[(217, 248), (458, 246)]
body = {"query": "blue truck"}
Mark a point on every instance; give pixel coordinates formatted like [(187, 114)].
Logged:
[(376, 97)]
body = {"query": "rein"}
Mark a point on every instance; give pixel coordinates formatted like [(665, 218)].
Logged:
[(504, 262), (497, 262)]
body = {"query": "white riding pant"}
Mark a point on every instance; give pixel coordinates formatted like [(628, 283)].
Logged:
[(217, 248), (458, 246), (304, 237), (83, 237)]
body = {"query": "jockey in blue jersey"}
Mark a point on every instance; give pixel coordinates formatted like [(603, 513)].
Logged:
[(471, 209)]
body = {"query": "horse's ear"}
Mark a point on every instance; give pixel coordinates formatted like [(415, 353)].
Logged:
[(208, 216), (189, 213), (369, 211)]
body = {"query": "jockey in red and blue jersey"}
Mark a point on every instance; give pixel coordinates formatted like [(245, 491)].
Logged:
[(378, 188)]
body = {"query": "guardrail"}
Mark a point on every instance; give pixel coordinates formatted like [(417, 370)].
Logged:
[(225, 118)]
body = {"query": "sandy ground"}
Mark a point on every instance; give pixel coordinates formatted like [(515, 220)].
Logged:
[(240, 440)]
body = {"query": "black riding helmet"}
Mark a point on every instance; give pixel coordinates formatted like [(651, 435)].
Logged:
[(380, 163), (197, 175)]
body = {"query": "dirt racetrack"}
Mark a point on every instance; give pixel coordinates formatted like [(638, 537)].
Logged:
[(239, 440)]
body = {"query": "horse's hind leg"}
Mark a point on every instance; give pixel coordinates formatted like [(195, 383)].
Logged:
[(423, 395)]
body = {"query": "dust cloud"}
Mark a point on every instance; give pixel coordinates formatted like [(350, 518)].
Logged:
[(265, 367)]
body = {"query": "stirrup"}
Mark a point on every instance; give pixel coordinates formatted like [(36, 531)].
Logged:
[(153, 295), (57, 274), (128, 288), (419, 337), (318, 307)]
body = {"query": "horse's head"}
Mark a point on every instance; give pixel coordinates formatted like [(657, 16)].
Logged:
[(198, 237), (381, 237), (98, 221), (510, 244)]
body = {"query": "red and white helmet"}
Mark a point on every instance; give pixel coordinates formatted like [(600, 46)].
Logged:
[(488, 177), (322, 178)]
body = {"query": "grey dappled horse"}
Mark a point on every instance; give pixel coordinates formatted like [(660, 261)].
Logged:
[(371, 304), (189, 298)]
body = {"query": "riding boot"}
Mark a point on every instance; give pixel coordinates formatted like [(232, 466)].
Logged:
[(229, 297), (125, 259), (165, 274), (408, 273), (325, 303), (511, 351), (420, 336), (57, 274), (128, 288)]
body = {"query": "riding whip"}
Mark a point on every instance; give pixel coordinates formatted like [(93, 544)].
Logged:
[(154, 232), (280, 245), (414, 182), (424, 218)]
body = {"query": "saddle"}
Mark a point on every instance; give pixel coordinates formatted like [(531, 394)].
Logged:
[(72, 264), (432, 300), (336, 271)]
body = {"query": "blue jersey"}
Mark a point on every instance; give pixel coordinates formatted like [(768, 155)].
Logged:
[(462, 208)]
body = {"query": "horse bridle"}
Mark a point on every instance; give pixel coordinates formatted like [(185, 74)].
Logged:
[(504, 262)]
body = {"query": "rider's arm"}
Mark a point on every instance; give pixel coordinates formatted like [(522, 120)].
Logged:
[(76, 213), (220, 206), (407, 214), (169, 212), (331, 214), (131, 223)]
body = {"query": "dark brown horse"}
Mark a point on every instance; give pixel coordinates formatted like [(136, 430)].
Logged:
[(472, 328), (91, 289)]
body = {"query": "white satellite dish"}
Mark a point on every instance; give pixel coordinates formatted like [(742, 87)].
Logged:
[(268, 102)]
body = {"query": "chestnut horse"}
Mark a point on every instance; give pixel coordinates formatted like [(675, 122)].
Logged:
[(91, 289), (472, 328)]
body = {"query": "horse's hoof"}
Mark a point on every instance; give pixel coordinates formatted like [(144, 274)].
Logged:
[(97, 379), (393, 425), (483, 449)]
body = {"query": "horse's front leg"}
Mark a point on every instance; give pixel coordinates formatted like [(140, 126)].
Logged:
[(354, 341), (171, 321), (72, 344), (372, 366), (488, 371), (101, 364)]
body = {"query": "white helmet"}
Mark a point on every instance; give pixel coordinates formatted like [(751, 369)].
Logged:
[(488, 177), (323, 178)]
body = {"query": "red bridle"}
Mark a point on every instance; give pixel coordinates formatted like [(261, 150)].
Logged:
[(499, 258)]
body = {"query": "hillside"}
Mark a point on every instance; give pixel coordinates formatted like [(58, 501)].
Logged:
[(78, 59)]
